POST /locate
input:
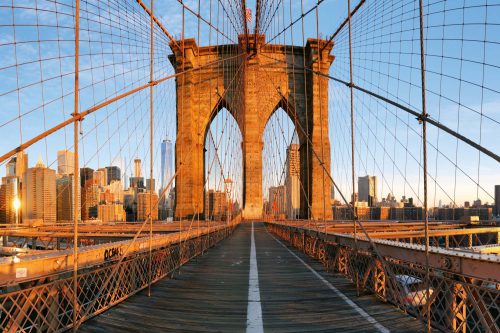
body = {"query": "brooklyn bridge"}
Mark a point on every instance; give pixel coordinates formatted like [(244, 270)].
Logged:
[(258, 166)]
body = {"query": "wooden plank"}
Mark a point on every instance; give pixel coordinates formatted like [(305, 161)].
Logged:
[(210, 294)]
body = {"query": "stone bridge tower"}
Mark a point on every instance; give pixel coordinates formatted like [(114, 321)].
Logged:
[(252, 82)]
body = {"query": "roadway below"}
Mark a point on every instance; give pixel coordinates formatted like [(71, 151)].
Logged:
[(252, 282)]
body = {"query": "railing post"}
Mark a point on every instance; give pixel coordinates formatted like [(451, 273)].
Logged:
[(342, 261), (456, 308), (379, 279), (53, 307)]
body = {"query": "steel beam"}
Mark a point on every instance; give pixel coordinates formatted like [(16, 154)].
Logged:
[(433, 233)]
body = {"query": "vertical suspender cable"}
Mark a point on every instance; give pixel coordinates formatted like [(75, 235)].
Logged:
[(319, 59), (206, 152), (309, 178), (199, 145), (423, 120), (75, 169), (181, 120), (151, 116), (354, 214)]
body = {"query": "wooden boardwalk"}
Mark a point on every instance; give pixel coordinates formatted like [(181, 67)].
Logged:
[(211, 294)]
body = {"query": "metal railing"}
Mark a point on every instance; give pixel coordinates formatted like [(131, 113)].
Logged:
[(46, 305), (458, 302)]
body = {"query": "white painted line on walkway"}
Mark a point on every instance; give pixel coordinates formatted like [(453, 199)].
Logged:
[(359, 310), (254, 309)]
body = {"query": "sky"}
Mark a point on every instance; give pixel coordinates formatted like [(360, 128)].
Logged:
[(462, 81)]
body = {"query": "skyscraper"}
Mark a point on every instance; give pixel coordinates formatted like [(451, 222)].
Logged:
[(137, 168), (137, 181), (90, 199), (11, 167), (143, 207), (85, 174), (113, 173), (101, 177), (111, 213), (39, 193), (9, 192), (215, 205), (106, 197), (148, 184), (116, 188), (65, 192), (167, 204), (119, 162), (65, 162), (3, 204), (367, 189), (17, 165), (277, 199), (292, 182), (167, 162), (11, 188), (21, 164), (130, 203)]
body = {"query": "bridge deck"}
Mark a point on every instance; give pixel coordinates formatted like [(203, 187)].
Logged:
[(211, 293)]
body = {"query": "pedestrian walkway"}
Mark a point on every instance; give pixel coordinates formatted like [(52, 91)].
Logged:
[(237, 287)]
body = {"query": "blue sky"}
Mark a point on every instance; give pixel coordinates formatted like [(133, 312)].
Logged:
[(463, 87)]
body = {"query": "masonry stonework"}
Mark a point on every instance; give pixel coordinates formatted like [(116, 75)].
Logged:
[(252, 80)]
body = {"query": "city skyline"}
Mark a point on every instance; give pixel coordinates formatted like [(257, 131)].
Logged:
[(286, 165), (69, 166), (45, 195), (112, 129)]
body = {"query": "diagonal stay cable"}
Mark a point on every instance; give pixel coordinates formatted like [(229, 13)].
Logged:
[(409, 110), (136, 236), (310, 10), (158, 23), (85, 113), (204, 20), (351, 207)]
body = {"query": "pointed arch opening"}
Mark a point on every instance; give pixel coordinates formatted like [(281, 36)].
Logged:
[(223, 165), (281, 166)]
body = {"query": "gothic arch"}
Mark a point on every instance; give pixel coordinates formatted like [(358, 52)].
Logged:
[(200, 91), (290, 110), (221, 104)]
